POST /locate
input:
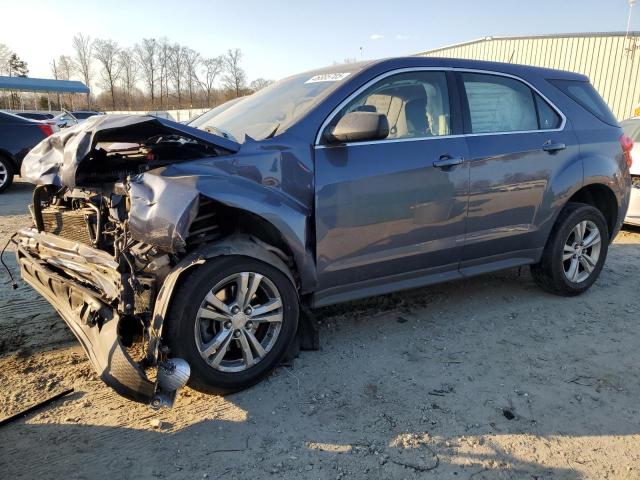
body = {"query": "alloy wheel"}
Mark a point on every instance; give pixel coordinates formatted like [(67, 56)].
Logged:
[(238, 322), (4, 174), (581, 251)]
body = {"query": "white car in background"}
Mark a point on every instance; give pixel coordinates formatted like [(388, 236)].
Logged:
[(631, 127)]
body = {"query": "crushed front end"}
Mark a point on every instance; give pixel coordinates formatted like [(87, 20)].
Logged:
[(103, 284), (106, 253)]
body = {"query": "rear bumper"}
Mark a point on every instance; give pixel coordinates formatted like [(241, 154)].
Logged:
[(86, 311)]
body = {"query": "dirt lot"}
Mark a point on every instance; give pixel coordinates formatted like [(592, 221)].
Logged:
[(488, 378)]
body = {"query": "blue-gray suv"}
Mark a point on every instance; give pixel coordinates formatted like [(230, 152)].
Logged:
[(199, 249)]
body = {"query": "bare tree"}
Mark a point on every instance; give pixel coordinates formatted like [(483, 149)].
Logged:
[(62, 69), (129, 73), (65, 67), (147, 53), (191, 62), (259, 84), (162, 54), (234, 77), (56, 75), (107, 53), (83, 47), (212, 68), (5, 54), (177, 69)]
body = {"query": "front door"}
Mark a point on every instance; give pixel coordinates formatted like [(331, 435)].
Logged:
[(398, 205)]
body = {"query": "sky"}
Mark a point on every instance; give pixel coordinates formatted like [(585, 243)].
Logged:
[(280, 38)]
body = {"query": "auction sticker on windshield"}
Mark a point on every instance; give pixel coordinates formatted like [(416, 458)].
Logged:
[(328, 77)]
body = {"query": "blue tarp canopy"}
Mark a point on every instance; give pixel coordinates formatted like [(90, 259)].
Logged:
[(25, 84)]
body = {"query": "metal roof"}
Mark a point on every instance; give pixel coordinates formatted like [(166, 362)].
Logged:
[(533, 37), (26, 84)]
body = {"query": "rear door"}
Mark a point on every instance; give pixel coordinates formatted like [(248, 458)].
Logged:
[(517, 143), (398, 205)]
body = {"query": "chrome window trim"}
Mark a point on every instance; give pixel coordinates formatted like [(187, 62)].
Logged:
[(382, 76)]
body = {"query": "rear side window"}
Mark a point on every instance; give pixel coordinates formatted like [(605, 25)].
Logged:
[(501, 104), (585, 95)]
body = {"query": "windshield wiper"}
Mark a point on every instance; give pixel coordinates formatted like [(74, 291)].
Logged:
[(273, 132), (219, 131)]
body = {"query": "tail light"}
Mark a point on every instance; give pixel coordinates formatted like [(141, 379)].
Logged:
[(627, 145), (46, 129)]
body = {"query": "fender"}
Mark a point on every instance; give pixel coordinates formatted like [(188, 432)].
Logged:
[(5, 154), (601, 171), (166, 224)]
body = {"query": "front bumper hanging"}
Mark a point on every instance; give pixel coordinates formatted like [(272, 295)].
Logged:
[(90, 317)]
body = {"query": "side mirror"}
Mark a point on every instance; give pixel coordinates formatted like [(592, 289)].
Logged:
[(359, 126)]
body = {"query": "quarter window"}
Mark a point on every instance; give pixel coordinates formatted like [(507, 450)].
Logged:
[(548, 118), (416, 104), (501, 104)]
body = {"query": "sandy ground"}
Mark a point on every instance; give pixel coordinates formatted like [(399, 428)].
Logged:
[(489, 378)]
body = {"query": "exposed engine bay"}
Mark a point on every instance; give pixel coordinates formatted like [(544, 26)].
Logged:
[(85, 253), (124, 206)]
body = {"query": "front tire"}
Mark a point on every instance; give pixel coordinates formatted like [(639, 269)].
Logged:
[(233, 320), (6, 173), (575, 252)]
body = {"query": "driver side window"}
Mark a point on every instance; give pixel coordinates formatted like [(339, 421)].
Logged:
[(416, 104)]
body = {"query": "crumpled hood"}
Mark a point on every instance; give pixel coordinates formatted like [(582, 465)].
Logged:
[(55, 160)]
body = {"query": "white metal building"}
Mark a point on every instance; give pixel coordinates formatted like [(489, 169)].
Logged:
[(611, 60)]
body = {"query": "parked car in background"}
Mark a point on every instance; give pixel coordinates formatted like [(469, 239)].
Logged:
[(45, 117), (325, 187), (35, 115), (68, 119), (161, 114), (65, 119), (631, 127), (81, 115), (17, 136)]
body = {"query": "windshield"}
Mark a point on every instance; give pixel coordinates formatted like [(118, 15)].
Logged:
[(274, 109), (203, 119)]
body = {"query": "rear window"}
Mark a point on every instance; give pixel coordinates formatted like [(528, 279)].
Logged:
[(585, 95), (83, 115)]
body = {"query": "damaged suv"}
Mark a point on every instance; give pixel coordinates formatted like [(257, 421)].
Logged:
[(171, 250)]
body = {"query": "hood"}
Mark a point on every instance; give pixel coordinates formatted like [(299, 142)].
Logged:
[(56, 159)]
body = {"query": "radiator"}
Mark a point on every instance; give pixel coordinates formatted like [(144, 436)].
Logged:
[(70, 224)]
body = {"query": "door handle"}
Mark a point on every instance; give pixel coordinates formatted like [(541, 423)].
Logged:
[(551, 147), (446, 161)]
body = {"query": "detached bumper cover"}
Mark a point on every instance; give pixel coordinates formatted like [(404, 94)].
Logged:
[(93, 322)]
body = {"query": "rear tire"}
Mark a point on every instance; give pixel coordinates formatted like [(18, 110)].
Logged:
[(575, 252), (198, 323), (6, 173)]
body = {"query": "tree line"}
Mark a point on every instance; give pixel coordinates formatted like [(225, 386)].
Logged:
[(153, 74)]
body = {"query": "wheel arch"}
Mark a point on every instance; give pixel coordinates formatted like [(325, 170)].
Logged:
[(601, 197), (5, 154), (276, 227)]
